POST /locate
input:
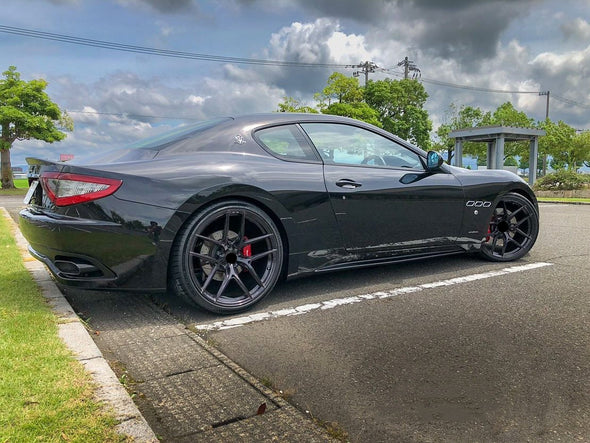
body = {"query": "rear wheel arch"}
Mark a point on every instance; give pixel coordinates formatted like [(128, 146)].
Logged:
[(201, 280)]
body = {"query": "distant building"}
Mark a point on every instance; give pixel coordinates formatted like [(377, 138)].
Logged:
[(65, 157)]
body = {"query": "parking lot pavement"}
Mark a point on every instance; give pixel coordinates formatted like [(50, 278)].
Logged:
[(503, 357), (455, 349)]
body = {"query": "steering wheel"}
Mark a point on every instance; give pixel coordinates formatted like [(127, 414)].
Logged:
[(378, 160)]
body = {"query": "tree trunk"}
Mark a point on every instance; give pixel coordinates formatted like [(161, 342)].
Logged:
[(7, 182)]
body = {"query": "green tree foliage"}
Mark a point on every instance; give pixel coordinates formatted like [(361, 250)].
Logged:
[(579, 153), (26, 112), (290, 104), (396, 106), (461, 118), (358, 110), (561, 144), (507, 115), (340, 89), (344, 96), (400, 104)]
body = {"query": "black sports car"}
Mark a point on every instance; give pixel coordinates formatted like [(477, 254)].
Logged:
[(220, 210)]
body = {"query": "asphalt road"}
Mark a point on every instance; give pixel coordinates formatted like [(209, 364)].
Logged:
[(501, 358), (427, 355)]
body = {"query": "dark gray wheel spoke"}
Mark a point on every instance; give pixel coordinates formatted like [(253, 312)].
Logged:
[(206, 258), (210, 277), (521, 221), (262, 255), (257, 239), (513, 214), (252, 271), (504, 244), (226, 228), (223, 286), (242, 232), (524, 234), (239, 281), (209, 239)]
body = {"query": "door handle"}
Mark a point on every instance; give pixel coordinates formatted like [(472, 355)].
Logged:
[(348, 184)]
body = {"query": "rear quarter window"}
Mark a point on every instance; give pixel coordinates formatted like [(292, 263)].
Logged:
[(286, 142)]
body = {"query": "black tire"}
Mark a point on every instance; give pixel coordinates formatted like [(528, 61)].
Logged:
[(513, 229), (227, 258)]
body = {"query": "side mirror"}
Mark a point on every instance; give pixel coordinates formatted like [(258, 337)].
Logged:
[(433, 161)]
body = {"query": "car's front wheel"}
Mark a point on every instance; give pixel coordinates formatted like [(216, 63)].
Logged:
[(513, 229), (227, 258)]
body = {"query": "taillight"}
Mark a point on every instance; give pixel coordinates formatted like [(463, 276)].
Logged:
[(70, 189)]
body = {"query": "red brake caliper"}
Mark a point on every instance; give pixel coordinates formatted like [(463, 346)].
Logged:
[(247, 250)]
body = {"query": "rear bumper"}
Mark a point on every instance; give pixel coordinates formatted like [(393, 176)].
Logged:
[(93, 254)]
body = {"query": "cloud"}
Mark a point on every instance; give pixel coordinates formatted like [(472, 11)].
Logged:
[(318, 42), (577, 29), (162, 6)]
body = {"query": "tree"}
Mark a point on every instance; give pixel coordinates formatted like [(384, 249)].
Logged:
[(357, 110), (464, 117), (507, 115), (400, 104), (558, 143), (580, 150), (340, 89), (291, 104), (26, 112)]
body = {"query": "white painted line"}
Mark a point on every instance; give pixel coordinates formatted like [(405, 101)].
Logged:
[(329, 304)]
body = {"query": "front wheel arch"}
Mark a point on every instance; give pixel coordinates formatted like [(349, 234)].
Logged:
[(513, 228)]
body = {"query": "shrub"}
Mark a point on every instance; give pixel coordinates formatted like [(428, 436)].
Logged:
[(561, 181)]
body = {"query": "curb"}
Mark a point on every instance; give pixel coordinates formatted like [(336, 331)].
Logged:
[(73, 333)]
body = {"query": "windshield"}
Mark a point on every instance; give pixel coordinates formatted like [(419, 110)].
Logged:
[(159, 141)]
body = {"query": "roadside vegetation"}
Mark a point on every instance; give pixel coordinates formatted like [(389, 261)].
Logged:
[(562, 180), (45, 394)]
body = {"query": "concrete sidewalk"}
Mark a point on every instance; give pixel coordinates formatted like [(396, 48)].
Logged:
[(187, 390)]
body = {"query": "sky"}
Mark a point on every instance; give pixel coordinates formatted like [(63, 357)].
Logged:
[(464, 49)]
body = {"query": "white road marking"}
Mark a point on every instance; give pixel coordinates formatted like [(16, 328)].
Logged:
[(329, 304)]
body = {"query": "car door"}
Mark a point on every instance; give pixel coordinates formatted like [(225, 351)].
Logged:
[(381, 194)]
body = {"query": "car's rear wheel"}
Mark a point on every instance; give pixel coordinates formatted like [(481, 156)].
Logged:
[(227, 258), (513, 229)]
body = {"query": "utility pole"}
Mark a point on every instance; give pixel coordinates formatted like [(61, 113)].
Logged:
[(409, 65), (547, 93), (365, 68), (546, 118)]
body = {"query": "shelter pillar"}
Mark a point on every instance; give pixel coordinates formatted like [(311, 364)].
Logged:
[(458, 152), (491, 159), (499, 152), (533, 154)]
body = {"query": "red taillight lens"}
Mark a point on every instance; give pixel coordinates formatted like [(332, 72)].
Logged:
[(70, 189)]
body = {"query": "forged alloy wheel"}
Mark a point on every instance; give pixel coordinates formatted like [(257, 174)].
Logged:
[(228, 257), (513, 229)]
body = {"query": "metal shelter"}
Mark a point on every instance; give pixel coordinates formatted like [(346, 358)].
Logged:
[(495, 137)]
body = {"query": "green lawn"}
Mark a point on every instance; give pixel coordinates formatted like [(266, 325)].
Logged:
[(22, 184), (564, 200), (45, 394)]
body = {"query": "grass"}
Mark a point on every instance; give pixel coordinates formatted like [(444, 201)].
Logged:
[(22, 184), (564, 200), (45, 394)]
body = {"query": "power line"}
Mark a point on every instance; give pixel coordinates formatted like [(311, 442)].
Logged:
[(128, 114), (160, 52)]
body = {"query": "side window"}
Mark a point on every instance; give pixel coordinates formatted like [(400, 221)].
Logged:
[(350, 145), (286, 142)]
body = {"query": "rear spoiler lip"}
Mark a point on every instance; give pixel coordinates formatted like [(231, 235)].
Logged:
[(35, 167)]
